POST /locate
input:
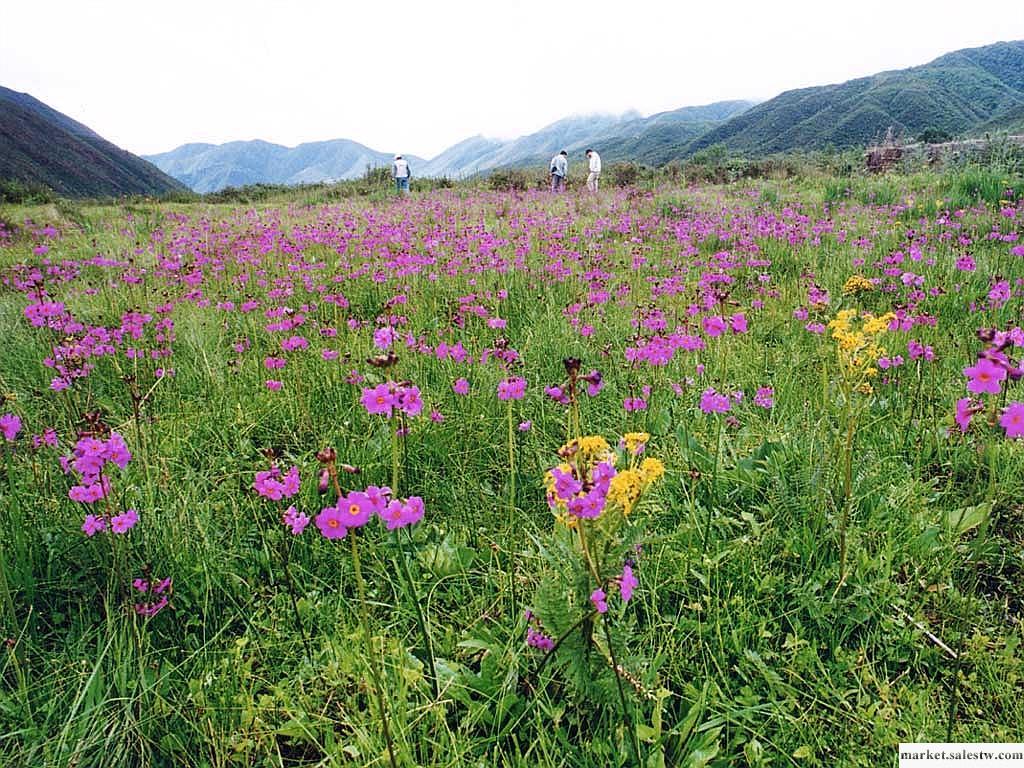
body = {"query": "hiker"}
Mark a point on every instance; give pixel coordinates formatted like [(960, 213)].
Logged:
[(401, 173), (559, 170), (595, 170)]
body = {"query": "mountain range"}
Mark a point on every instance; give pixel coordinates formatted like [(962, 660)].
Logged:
[(963, 93), (41, 146)]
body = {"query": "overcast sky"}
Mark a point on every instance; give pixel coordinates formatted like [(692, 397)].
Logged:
[(416, 77)]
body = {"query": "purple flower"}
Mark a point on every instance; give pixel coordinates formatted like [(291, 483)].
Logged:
[(712, 402), (513, 388), (121, 524), (93, 524), (10, 426), (600, 600), (1012, 420), (985, 376), (627, 583), (764, 397), (295, 520), (461, 387), (379, 400)]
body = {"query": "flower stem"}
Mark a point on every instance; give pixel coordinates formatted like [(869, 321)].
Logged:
[(511, 468), (626, 712), (714, 490), (428, 644), (851, 430), (371, 656), (395, 424)]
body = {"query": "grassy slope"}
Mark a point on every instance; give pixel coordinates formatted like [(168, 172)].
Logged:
[(750, 640), (955, 93)]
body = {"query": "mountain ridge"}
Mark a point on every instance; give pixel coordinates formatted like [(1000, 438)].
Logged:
[(39, 145)]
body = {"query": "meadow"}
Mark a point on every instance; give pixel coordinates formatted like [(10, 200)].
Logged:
[(671, 476)]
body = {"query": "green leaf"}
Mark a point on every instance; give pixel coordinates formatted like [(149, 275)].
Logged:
[(960, 521)]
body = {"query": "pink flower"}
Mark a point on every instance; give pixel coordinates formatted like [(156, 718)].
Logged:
[(713, 326), (379, 400), (10, 426), (536, 639), (566, 486), (410, 401), (93, 524), (124, 522), (513, 388), (295, 520), (89, 494), (738, 323), (331, 523), (378, 497), (270, 484), (355, 509), (400, 514), (965, 409), (627, 583), (273, 385), (985, 376), (461, 387), (384, 337), (600, 600), (764, 397), (116, 451), (588, 506), (712, 402), (1012, 420)]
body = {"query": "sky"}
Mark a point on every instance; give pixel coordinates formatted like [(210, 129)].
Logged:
[(416, 77)]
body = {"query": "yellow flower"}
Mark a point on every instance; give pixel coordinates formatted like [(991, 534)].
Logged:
[(634, 440), (625, 489), (877, 325), (651, 469), (857, 284)]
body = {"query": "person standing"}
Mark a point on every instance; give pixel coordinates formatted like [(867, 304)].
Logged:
[(595, 170), (559, 169), (401, 173)]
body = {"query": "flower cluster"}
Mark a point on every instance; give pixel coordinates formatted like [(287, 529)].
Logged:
[(90, 458), (387, 398), (119, 524), (160, 589), (272, 484), (856, 284), (587, 481), (513, 388), (535, 636), (355, 509), (857, 345), (993, 371)]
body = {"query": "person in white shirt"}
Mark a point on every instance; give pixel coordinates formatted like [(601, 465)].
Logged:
[(559, 169), (401, 173), (595, 170)]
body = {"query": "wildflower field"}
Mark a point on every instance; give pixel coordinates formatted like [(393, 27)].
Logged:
[(702, 476)]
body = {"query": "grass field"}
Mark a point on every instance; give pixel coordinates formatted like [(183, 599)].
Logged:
[(702, 478)]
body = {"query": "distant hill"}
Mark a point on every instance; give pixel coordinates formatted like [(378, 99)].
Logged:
[(958, 94), (656, 139), (39, 145), (212, 167)]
